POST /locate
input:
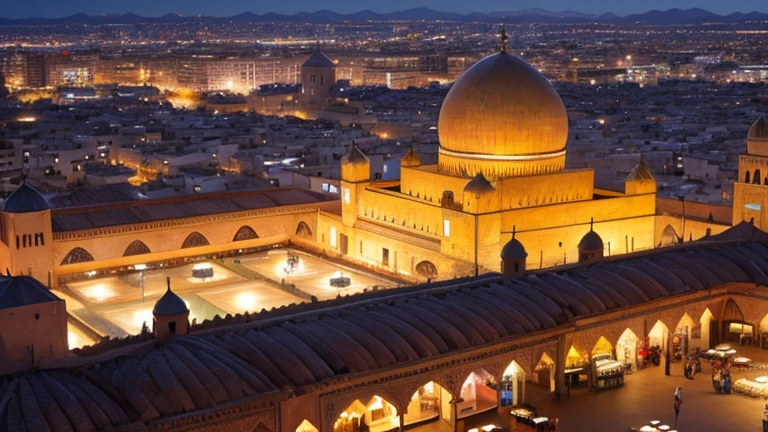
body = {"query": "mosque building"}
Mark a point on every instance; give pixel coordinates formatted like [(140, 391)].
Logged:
[(499, 198)]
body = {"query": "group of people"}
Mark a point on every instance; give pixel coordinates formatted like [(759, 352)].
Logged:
[(692, 364), (721, 376)]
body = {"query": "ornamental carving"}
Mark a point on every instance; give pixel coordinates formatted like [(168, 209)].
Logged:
[(136, 248), (245, 233), (77, 255), (303, 230), (195, 240)]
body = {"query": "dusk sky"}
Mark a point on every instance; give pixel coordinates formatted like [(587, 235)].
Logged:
[(59, 8)]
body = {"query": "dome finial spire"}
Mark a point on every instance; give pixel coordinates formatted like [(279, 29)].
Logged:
[(504, 37), (591, 223), (514, 230)]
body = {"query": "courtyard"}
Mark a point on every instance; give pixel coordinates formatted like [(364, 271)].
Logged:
[(114, 305)]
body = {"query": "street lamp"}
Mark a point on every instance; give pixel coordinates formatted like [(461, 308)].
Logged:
[(141, 268)]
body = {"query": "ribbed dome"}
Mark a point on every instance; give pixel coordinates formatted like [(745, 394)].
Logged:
[(170, 304), (25, 199), (504, 107)]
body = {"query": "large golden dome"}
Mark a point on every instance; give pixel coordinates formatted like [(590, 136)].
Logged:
[(503, 118)]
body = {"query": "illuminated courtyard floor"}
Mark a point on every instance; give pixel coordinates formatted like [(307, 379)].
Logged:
[(113, 305), (646, 395)]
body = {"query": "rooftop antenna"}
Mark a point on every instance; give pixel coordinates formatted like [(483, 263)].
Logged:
[(504, 38)]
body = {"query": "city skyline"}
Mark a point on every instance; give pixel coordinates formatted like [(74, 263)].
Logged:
[(50, 9)]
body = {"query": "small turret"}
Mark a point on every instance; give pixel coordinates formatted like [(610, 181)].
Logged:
[(513, 257), (411, 159), (355, 166), (591, 246), (171, 315), (640, 180), (479, 195)]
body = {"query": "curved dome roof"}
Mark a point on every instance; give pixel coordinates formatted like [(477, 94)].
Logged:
[(503, 106), (18, 291), (479, 185), (25, 199), (591, 242), (513, 250), (170, 304)]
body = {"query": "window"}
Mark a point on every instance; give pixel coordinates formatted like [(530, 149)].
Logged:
[(346, 195), (333, 189), (333, 237), (325, 187), (385, 257), (321, 80), (446, 227), (312, 78)]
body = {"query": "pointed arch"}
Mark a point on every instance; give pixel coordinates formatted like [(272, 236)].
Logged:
[(137, 247), (757, 177), (429, 402), (306, 426), (669, 236), (261, 427), (731, 311), (77, 255), (245, 233), (303, 230), (746, 177), (195, 240), (376, 411), (478, 394)]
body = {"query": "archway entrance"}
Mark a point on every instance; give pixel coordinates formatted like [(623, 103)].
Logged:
[(512, 385), (576, 368), (430, 402), (545, 372), (626, 349), (375, 415), (658, 336), (306, 426), (681, 339), (478, 394), (735, 328)]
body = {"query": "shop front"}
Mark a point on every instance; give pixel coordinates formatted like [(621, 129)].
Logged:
[(377, 415), (478, 394), (627, 351), (512, 382), (429, 403)]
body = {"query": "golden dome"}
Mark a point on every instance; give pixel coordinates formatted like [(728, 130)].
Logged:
[(504, 118)]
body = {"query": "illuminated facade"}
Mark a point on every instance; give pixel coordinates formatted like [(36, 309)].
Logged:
[(750, 190)]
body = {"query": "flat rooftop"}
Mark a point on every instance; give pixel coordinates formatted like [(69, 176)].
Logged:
[(81, 218)]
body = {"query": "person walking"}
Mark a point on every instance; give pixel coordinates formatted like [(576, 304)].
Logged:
[(678, 402)]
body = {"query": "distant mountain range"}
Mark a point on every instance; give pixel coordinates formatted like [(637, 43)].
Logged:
[(653, 17)]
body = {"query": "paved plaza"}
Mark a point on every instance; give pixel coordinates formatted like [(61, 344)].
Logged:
[(646, 395), (113, 305)]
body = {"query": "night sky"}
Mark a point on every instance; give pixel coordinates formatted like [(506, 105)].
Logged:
[(60, 8)]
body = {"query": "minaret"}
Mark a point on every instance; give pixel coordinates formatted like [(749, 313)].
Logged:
[(355, 177), (591, 246), (171, 315), (750, 188), (318, 75), (513, 257)]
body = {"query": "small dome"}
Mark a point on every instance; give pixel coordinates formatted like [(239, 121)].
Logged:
[(354, 156), (759, 130), (641, 172), (411, 159), (513, 250), (25, 199), (479, 185), (170, 304), (591, 242)]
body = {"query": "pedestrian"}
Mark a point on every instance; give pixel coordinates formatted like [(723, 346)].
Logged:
[(678, 402)]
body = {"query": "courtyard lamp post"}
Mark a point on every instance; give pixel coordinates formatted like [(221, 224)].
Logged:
[(141, 268)]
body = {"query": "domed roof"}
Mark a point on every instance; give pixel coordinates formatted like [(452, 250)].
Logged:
[(591, 241), (513, 249), (479, 185), (18, 291), (759, 130), (503, 106), (25, 199), (640, 172), (170, 304)]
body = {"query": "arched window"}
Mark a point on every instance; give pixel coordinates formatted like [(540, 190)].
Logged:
[(426, 269), (245, 233), (303, 230), (77, 255), (746, 177), (136, 248), (757, 177), (195, 240)]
